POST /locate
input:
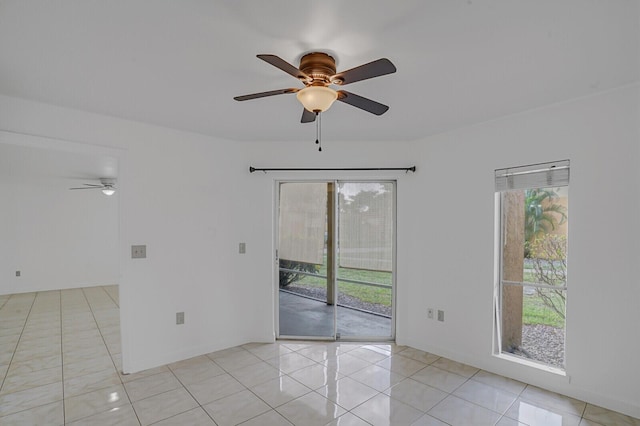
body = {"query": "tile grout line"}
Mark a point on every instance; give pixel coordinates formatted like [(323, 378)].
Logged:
[(5, 302), (110, 356), (19, 338), (41, 299), (448, 394), (283, 374), (478, 405), (526, 385), (64, 411), (502, 415), (110, 297), (318, 393), (63, 362), (188, 391)]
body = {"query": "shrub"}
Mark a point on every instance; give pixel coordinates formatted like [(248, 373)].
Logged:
[(549, 257), (287, 277)]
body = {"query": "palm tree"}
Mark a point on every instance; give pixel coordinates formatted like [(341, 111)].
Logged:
[(541, 215)]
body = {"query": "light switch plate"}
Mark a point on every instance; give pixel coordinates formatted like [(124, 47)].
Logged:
[(139, 252), (440, 315), (18, 273), (179, 318), (242, 248)]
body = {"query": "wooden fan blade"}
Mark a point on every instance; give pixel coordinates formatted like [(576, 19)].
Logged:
[(265, 94), (285, 66), (307, 116), (372, 69), (363, 103)]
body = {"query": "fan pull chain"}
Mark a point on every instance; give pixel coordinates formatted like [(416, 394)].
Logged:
[(318, 130)]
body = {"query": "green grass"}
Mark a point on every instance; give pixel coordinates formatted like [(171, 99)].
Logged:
[(534, 311), (381, 296), (365, 293), (368, 276)]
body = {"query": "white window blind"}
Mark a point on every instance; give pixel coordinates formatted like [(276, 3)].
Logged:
[(545, 175), (365, 234), (303, 215)]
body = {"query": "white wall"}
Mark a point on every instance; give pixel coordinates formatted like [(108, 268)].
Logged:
[(452, 260), (256, 212), (191, 199), (175, 194), (56, 238), (446, 236)]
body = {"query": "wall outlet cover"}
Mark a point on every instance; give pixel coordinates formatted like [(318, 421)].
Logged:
[(139, 252), (179, 318), (18, 273), (430, 313)]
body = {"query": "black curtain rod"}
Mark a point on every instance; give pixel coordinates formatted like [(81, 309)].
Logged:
[(352, 169)]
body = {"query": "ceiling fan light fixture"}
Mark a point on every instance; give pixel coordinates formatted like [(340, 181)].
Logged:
[(108, 191), (317, 98)]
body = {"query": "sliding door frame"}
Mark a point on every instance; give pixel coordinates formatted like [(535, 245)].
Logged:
[(392, 336), (334, 254), (276, 260)]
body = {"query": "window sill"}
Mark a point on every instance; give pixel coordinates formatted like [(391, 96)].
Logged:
[(534, 364)]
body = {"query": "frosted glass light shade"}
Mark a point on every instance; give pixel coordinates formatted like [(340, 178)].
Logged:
[(317, 98), (108, 191)]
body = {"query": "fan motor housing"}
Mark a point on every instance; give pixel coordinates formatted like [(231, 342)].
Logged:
[(319, 66)]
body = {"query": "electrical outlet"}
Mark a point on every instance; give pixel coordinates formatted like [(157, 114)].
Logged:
[(242, 248), (139, 252), (430, 313), (179, 318), (17, 273), (440, 315)]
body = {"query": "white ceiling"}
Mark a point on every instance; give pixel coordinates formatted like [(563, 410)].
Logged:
[(179, 63)]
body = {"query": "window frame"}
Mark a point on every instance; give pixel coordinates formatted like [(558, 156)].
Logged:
[(499, 244)]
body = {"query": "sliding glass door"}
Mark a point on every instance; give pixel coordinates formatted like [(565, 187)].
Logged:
[(364, 280), (305, 296), (336, 256)]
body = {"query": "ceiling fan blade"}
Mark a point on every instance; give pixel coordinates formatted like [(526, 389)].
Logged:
[(285, 66), (265, 94), (88, 187), (372, 69), (363, 103), (307, 116)]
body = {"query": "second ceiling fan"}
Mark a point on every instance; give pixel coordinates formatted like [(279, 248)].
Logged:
[(317, 71)]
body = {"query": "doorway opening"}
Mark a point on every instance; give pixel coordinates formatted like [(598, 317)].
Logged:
[(335, 257)]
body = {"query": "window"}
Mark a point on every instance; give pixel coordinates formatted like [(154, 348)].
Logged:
[(531, 285)]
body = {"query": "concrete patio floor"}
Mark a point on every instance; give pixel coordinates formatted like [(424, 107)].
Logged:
[(301, 316)]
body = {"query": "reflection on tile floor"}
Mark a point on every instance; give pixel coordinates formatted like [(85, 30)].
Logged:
[(60, 358)]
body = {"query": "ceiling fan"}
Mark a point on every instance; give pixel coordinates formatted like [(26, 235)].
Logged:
[(317, 71), (106, 185)]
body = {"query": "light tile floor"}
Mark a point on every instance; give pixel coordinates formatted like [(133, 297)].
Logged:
[(60, 358)]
